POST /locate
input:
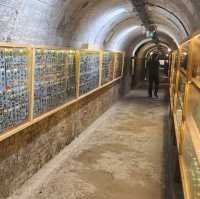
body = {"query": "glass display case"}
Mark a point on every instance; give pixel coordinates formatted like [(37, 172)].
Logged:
[(194, 106), (191, 163), (173, 74), (196, 59), (36, 81), (54, 79), (184, 55), (107, 67), (89, 71), (118, 64), (14, 87), (181, 88)]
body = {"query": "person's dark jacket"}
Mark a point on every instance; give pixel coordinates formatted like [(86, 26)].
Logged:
[(153, 67)]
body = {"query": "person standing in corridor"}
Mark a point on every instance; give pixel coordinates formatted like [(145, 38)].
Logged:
[(153, 71)]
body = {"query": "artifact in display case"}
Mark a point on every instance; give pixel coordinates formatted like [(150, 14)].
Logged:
[(14, 87), (179, 111), (194, 106), (89, 71), (181, 88), (118, 64), (196, 59), (55, 79), (184, 56), (192, 165), (71, 74), (107, 67)]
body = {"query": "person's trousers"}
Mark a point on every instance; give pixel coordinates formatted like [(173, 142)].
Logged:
[(153, 81)]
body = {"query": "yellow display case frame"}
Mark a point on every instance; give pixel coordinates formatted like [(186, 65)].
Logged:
[(31, 51), (186, 124)]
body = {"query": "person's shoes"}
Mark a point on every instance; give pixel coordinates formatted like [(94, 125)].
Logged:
[(156, 95)]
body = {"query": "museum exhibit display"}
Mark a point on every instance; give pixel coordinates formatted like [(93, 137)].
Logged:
[(14, 86), (89, 71), (107, 67), (54, 79), (118, 64), (187, 114), (37, 81), (184, 53)]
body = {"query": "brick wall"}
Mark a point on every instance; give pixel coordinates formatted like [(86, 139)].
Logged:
[(23, 154)]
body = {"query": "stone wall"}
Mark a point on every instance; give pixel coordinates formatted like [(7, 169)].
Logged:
[(23, 154)]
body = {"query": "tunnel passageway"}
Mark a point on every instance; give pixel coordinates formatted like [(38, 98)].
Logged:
[(120, 156)]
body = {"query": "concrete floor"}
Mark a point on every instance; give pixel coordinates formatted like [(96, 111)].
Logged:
[(119, 157)]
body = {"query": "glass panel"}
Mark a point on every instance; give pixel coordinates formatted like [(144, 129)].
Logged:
[(181, 88), (89, 71), (192, 166), (14, 90), (179, 112), (107, 67), (118, 65), (184, 56), (55, 79), (196, 59), (194, 105)]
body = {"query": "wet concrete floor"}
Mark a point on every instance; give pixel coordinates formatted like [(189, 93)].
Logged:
[(120, 156)]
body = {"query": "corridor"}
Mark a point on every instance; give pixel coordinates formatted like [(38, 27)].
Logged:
[(120, 156)]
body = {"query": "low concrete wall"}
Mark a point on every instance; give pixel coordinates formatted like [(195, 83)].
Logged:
[(23, 154)]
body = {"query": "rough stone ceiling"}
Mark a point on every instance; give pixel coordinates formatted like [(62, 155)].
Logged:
[(113, 24)]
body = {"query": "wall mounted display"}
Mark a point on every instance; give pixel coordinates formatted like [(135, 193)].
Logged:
[(181, 88), (186, 114), (14, 87), (118, 64), (192, 165), (36, 82), (194, 106), (107, 67), (89, 71), (196, 59), (184, 51), (55, 79)]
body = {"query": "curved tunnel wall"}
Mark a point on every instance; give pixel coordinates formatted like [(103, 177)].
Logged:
[(112, 24)]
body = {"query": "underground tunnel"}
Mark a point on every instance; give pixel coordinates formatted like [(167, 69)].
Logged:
[(99, 99)]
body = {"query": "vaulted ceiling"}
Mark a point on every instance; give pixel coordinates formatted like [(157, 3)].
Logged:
[(111, 24)]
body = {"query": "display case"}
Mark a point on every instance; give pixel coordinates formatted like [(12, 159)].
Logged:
[(184, 57), (191, 163), (182, 81), (193, 110), (107, 67), (89, 71), (14, 86), (118, 65), (196, 59), (54, 79), (173, 74)]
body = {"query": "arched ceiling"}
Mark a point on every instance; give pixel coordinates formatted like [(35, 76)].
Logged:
[(111, 24)]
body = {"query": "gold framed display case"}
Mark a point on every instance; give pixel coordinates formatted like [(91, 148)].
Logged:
[(190, 163), (191, 143), (193, 107), (179, 104), (195, 68), (119, 62), (54, 78), (108, 64), (15, 86), (184, 57), (89, 71), (173, 74), (38, 81)]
